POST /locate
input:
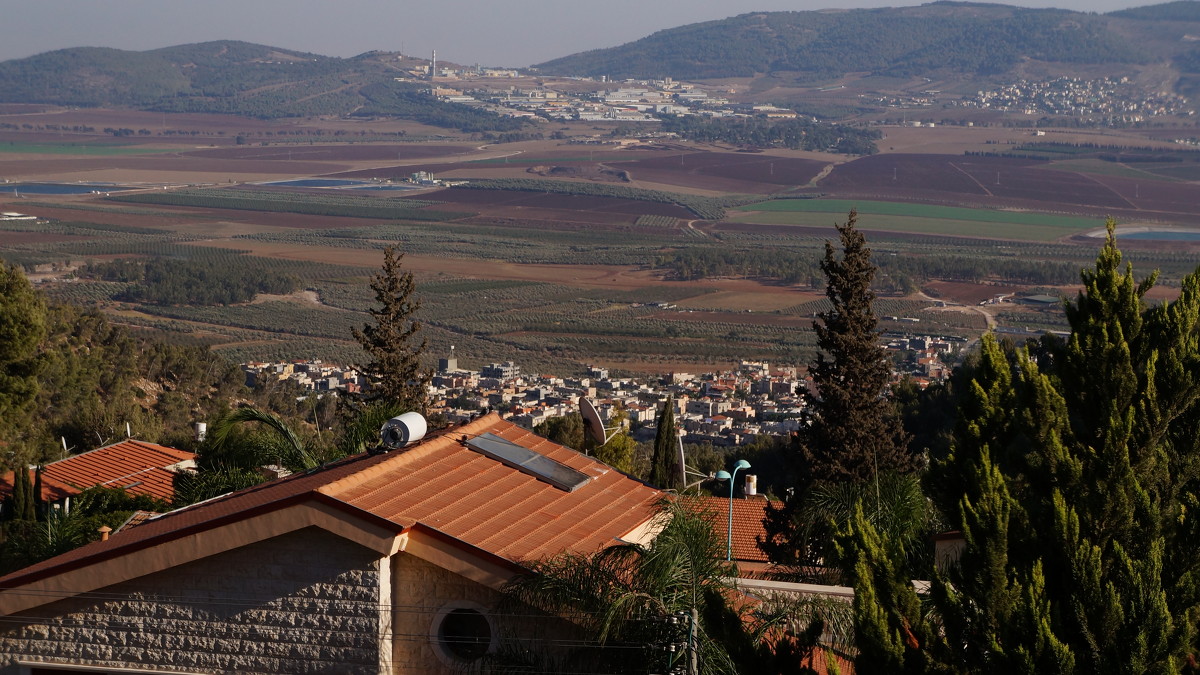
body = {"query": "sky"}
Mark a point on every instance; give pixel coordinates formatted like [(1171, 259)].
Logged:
[(510, 33)]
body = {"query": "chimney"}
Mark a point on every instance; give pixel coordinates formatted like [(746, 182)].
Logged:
[(104, 531)]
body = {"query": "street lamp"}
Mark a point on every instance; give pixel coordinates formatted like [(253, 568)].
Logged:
[(724, 475)]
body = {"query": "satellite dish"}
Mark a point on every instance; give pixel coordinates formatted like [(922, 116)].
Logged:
[(593, 423)]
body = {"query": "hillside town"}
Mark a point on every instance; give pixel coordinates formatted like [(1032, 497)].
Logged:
[(1108, 100), (724, 408)]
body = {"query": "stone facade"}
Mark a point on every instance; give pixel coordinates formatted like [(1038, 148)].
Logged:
[(305, 602), (423, 592)]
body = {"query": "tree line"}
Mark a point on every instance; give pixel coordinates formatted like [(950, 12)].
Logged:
[(795, 134), (164, 281)]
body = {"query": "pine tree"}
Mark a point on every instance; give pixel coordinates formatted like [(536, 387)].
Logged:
[(855, 432), (665, 471), (22, 328), (395, 371)]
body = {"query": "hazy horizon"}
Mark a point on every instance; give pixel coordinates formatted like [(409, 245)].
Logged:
[(513, 33)]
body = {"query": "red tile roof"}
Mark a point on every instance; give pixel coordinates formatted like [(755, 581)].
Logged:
[(438, 484), (484, 503), (137, 466), (748, 517)]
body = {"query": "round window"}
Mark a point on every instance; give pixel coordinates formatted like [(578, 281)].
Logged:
[(465, 634)]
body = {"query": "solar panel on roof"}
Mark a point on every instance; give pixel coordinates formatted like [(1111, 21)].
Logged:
[(527, 461)]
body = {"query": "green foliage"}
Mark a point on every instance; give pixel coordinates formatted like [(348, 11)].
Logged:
[(817, 46), (22, 329), (566, 430), (27, 542), (361, 424), (227, 448), (1072, 475), (795, 134), (1179, 10), (191, 488), (622, 596), (395, 370), (22, 503), (176, 282), (890, 631), (854, 432), (665, 471)]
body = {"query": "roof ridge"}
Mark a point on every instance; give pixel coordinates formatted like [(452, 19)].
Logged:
[(144, 445), (399, 457)]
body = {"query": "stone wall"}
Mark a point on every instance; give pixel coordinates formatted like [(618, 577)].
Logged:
[(421, 591), (305, 602)]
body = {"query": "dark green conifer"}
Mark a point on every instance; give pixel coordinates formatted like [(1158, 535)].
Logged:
[(395, 370), (1075, 469), (665, 471), (855, 432)]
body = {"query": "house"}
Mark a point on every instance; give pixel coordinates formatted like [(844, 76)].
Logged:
[(376, 563), (140, 468)]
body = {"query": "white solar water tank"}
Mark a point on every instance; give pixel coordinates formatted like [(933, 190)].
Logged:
[(403, 430)]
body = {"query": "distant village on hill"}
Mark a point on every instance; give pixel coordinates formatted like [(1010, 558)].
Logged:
[(725, 408)]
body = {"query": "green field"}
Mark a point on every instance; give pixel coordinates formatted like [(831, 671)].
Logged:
[(94, 150), (921, 218)]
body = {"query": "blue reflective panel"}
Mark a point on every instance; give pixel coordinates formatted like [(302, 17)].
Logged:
[(527, 461)]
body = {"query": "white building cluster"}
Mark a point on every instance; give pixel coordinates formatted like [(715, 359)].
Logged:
[(1105, 99)]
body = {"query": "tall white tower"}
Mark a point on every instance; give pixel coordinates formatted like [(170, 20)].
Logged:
[(433, 66)]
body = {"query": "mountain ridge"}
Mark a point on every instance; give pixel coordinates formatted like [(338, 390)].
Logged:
[(978, 39)]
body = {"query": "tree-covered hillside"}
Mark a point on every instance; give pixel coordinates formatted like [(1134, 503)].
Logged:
[(970, 38), (231, 77)]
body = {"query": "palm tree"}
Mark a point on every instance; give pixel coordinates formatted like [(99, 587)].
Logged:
[(629, 601), (280, 445)]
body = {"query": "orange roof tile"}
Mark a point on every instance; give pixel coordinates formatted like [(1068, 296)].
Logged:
[(438, 484), (748, 517), (137, 466), (478, 500)]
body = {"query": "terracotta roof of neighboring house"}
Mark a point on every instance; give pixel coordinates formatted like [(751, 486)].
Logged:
[(437, 484), (137, 466), (748, 515)]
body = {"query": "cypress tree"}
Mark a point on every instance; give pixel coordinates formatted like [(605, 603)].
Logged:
[(854, 431), (890, 631), (665, 471), (395, 371), (1075, 469), (22, 495)]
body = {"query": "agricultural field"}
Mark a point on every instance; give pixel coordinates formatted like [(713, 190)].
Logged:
[(551, 262)]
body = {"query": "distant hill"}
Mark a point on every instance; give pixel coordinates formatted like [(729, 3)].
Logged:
[(231, 77), (942, 37)]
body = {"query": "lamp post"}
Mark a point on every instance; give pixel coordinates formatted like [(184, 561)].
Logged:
[(725, 475)]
